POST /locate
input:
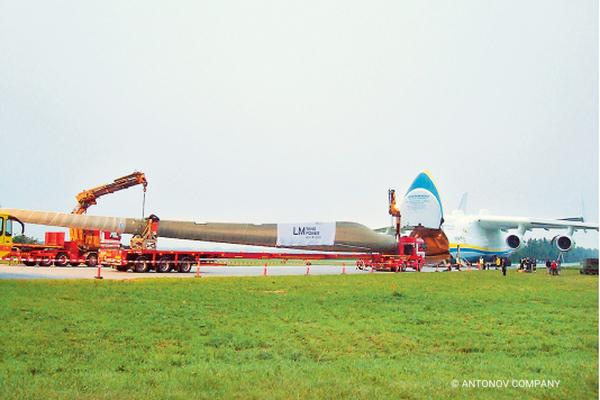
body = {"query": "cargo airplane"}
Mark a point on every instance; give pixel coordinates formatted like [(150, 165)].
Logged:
[(471, 236)]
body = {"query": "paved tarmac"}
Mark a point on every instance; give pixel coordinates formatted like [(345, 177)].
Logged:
[(23, 272)]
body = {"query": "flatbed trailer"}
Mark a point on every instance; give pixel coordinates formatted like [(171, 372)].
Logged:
[(182, 261), (59, 252), (44, 255), (144, 260)]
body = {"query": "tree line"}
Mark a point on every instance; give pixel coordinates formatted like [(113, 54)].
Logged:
[(542, 249), (25, 239)]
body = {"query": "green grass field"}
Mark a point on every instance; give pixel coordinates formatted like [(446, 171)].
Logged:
[(363, 336)]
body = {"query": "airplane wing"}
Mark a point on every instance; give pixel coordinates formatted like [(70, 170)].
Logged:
[(505, 223)]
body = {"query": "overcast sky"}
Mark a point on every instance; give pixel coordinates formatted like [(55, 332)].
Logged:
[(274, 111)]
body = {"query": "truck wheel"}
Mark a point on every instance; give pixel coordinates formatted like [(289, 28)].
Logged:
[(61, 260), (185, 264), (29, 263), (45, 261), (163, 264), (91, 260), (141, 264), (122, 268)]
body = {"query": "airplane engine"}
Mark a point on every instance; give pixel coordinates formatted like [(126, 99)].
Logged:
[(563, 243), (513, 241)]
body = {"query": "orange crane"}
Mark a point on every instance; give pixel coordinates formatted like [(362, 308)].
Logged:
[(86, 239)]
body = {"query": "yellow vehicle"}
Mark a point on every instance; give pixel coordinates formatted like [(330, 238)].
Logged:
[(6, 234)]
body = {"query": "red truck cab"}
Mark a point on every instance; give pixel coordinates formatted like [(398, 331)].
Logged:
[(412, 250)]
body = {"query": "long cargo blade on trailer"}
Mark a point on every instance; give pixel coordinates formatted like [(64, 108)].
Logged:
[(338, 236)]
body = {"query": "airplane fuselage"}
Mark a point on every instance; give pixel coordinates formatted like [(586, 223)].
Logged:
[(474, 241)]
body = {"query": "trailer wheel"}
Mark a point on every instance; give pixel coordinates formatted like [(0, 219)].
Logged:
[(185, 264), (163, 264), (91, 260), (45, 261), (141, 264), (29, 263), (61, 260)]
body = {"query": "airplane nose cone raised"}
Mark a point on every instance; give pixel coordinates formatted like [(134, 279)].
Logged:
[(421, 204)]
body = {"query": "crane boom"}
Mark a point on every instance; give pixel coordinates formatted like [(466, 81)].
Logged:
[(88, 197), (89, 240)]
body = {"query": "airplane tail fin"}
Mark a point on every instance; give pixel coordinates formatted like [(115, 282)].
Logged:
[(580, 218), (421, 205), (462, 206), (572, 219)]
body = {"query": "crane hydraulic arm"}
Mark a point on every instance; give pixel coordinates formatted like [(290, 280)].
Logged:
[(394, 211), (88, 197), (88, 239)]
